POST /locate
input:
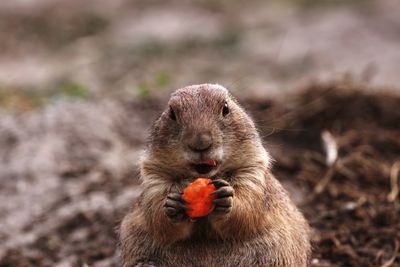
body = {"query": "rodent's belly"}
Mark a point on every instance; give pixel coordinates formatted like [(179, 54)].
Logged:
[(198, 254)]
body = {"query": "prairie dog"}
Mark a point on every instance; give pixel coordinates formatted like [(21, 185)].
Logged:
[(254, 222)]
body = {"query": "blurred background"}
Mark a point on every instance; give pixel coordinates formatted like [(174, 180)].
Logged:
[(82, 81)]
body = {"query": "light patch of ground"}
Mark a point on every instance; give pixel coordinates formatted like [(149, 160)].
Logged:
[(63, 152), (264, 46)]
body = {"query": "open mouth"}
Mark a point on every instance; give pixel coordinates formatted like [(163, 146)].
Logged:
[(205, 167)]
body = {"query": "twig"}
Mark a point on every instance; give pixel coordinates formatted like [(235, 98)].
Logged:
[(394, 177), (331, 151), (394, 256), (320, 187), (330, 147)]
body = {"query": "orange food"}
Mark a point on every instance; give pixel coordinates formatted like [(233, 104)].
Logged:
[(198, 198)]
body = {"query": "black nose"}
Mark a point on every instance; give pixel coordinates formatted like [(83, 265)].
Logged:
[(200, 142)]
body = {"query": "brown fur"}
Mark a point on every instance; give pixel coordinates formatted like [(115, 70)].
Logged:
[(263, 228)]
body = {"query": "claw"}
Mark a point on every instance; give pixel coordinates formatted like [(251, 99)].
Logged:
[(223, 202), (176, 204), (171, 211), (225, 191), (219, 183), (222, 210), (175, 196)]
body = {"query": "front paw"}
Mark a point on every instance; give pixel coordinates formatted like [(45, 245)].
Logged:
[(224, 193), (174, 207)]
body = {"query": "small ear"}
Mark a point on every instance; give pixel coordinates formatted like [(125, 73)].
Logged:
[(171, 114)]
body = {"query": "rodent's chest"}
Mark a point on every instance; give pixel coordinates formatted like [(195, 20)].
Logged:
[(215, 252), (202, 231)]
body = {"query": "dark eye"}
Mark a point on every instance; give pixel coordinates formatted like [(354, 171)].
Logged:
[(225, 109), (172, 115)]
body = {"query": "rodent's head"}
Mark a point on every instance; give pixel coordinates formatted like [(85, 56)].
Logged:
[(203, 131)]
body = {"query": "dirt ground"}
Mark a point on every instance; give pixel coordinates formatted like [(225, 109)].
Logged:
[(66, 187)]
